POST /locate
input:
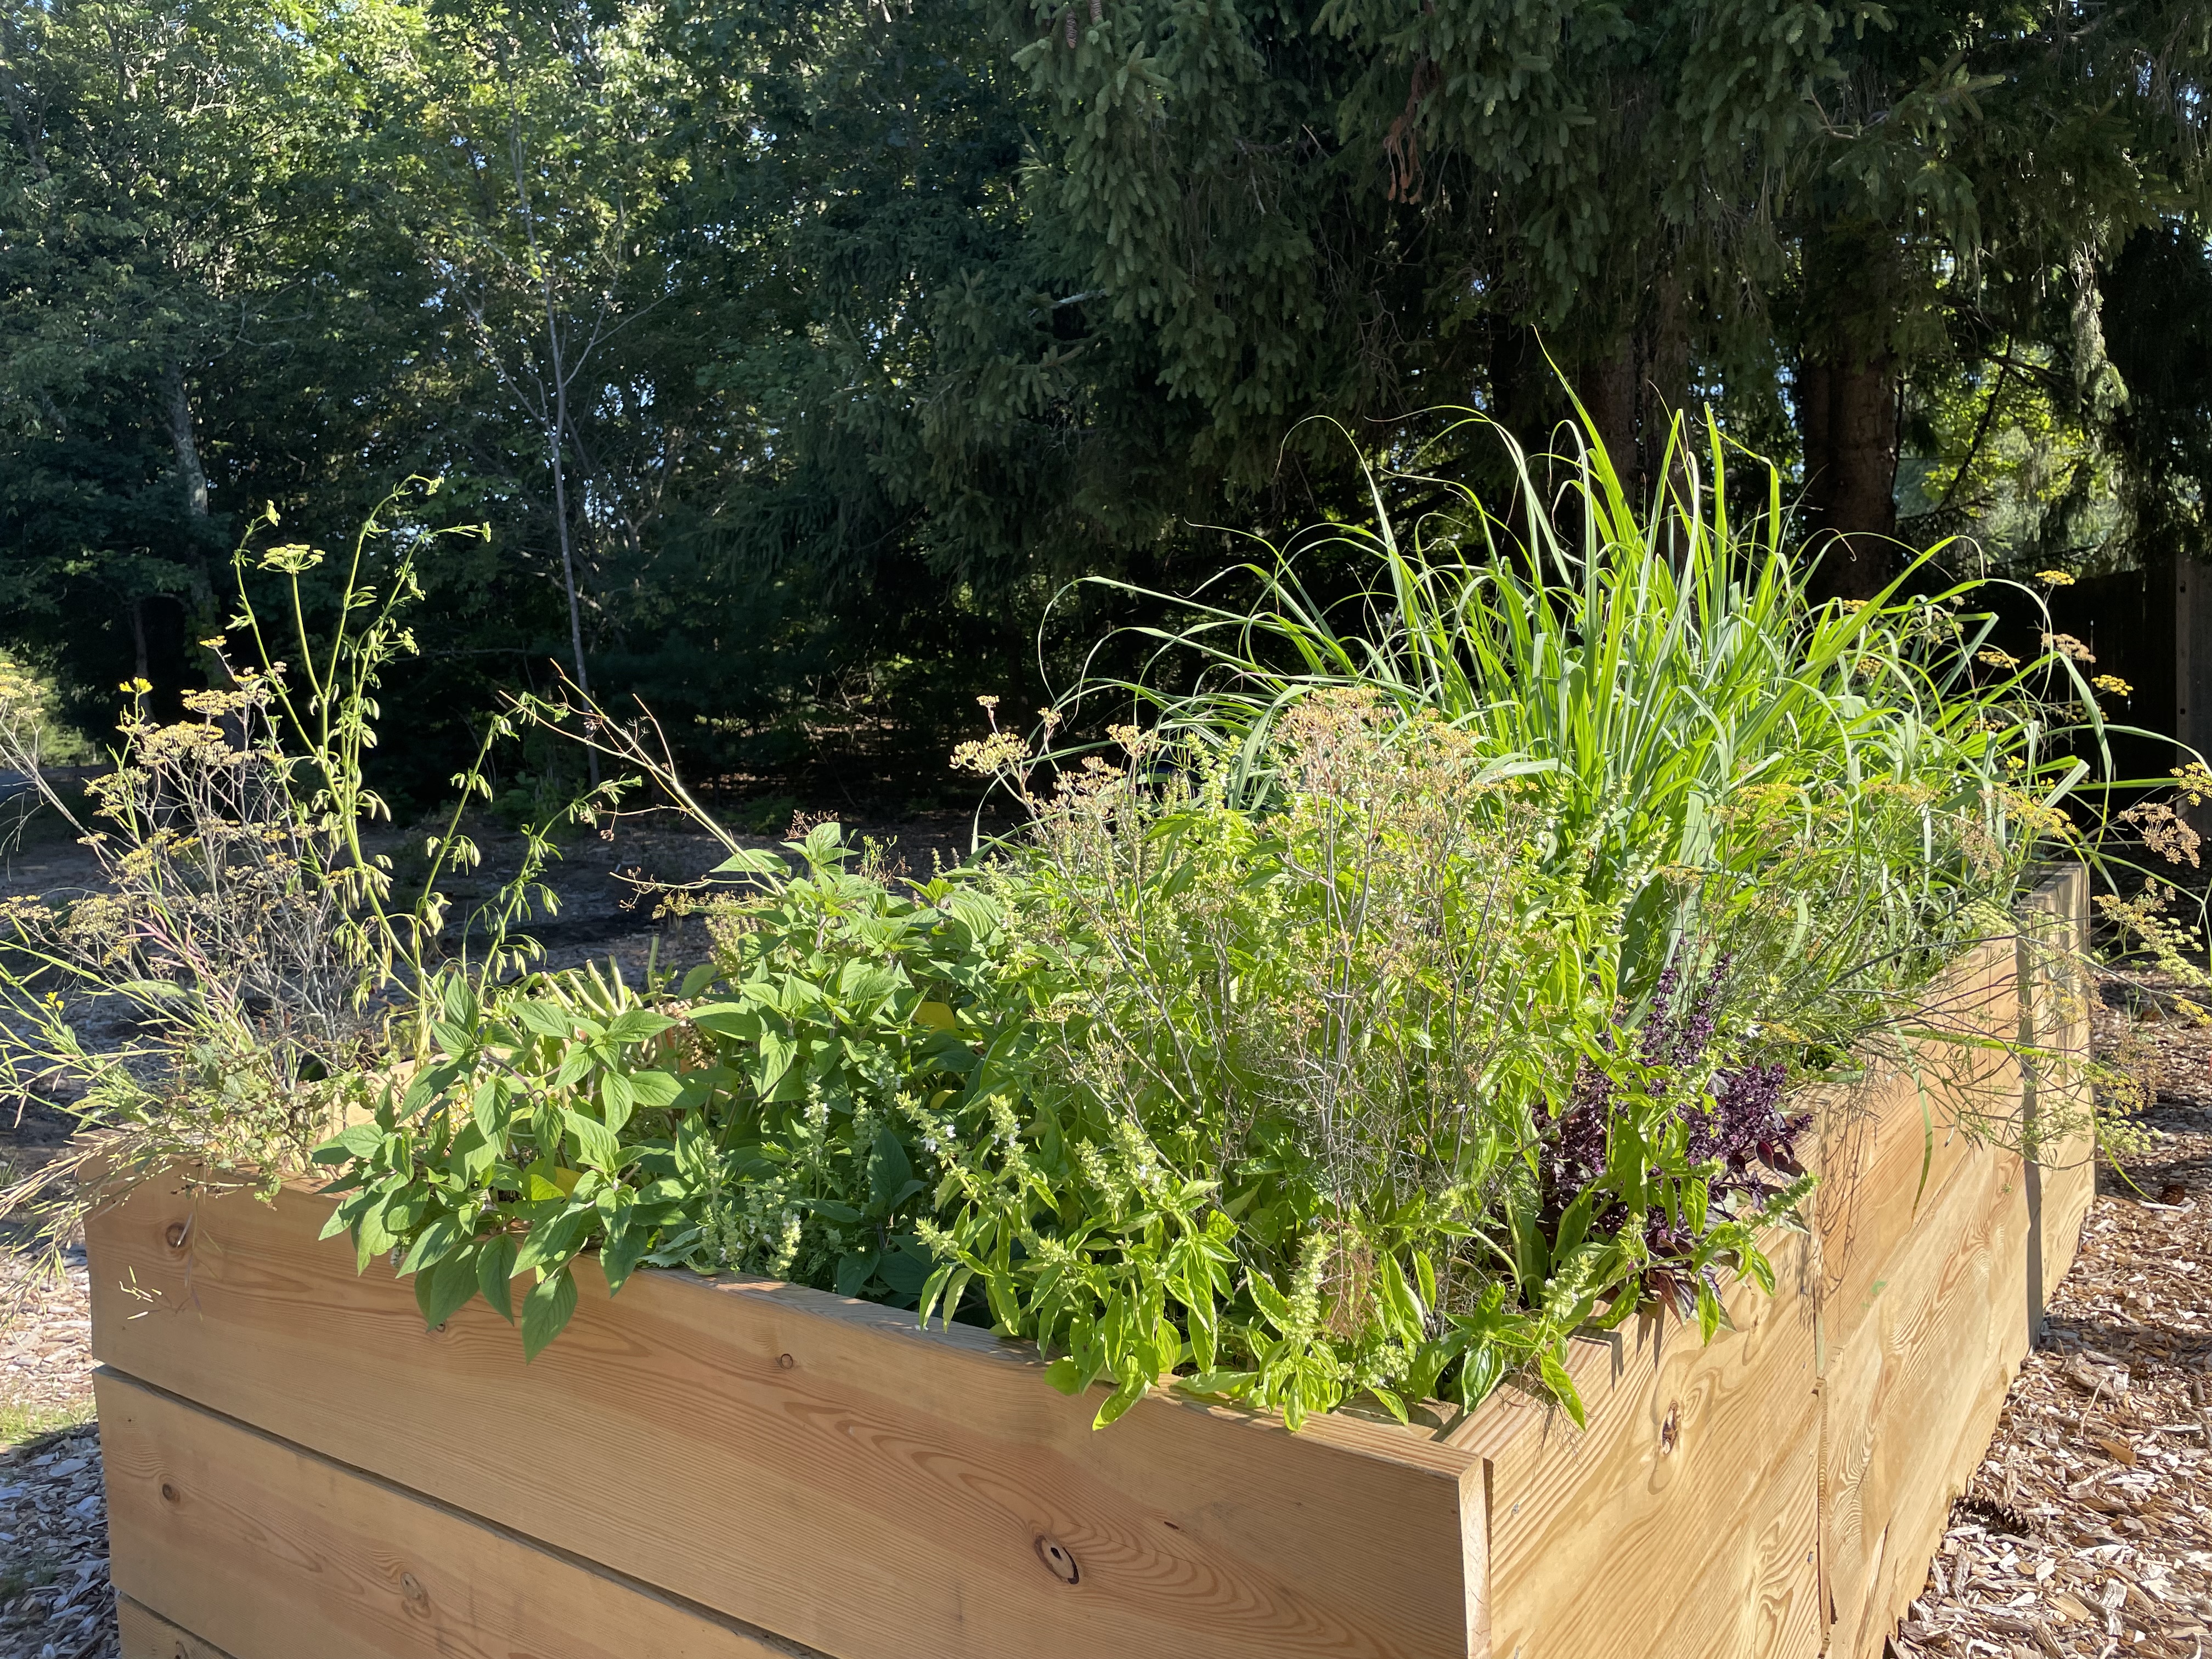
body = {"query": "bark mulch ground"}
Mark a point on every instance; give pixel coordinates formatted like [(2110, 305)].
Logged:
[(2088, 1529), (54, 1599)]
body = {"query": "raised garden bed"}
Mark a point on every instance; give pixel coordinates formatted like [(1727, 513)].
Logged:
[(297, 1470)]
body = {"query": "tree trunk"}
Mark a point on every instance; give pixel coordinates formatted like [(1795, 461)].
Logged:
[(1606, 387), (177, 412), (1524, 400), (1522, 397), (556, 423), (1863, 429), (177, 406), (569, 573), (161, 657), (1847, 403), (1663, 389), (1635, 385), (1848, 413)]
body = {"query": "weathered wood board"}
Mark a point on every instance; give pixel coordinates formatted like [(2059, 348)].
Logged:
[(741, 1468), (261, 1548)]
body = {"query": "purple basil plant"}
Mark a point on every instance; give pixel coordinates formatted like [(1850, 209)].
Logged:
[(1739, 1123)]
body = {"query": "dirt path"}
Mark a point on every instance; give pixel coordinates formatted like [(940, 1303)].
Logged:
[(608, 884), (2087, 1532)]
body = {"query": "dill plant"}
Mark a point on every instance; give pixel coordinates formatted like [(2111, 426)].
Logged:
[(228, 991), (1288, 1075)]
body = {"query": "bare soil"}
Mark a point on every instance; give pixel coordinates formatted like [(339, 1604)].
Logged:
[(610, 883)]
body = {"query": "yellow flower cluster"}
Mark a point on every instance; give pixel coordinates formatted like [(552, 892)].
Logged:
[(989, 756), (2067, 645)]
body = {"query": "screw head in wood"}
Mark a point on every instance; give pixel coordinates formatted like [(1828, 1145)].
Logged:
[(1057, 1560)]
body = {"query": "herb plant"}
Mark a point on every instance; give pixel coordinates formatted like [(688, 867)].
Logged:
[(784, 1116), (223, 997), (1418, 984)]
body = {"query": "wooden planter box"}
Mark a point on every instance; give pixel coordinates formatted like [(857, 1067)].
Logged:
[(297, 1470)]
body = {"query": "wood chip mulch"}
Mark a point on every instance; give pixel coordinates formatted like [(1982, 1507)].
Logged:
[(54, 1597), (2088, 1529), (45, 1364)]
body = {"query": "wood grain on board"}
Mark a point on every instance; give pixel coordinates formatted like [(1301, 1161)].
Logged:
[(1931, 1299), (1912, 1398), (146, 1635), (2056, 1015), (1717, 1442), (815, 1468), (1887, 1147), (271, 1553)]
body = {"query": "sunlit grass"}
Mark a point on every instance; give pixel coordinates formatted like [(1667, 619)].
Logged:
[(20, 1425)]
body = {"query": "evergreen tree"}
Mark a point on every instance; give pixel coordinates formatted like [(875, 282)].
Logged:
[(797, 356)]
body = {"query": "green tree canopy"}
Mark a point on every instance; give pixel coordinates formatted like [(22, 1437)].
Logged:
[(797, 355)]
